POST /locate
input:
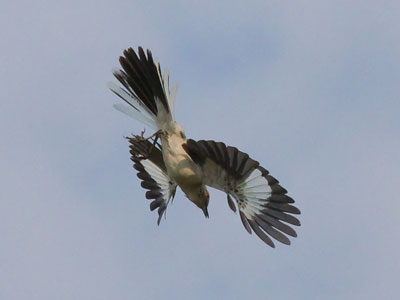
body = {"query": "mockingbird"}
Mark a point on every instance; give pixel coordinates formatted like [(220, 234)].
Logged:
[(192, 165)]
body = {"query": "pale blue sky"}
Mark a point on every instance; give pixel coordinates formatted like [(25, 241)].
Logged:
[(308, 88)]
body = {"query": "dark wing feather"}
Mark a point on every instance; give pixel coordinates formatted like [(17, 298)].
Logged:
[(263, 204), (151, 169)]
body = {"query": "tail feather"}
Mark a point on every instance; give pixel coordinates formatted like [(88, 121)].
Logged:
[(135, 114), (171, 92), (146, 88), (136, 108)]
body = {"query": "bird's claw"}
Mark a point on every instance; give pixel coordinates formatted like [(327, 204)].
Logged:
[(154, 136)]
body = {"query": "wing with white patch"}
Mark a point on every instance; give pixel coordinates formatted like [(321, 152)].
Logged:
[(149, 163), (263, 204)]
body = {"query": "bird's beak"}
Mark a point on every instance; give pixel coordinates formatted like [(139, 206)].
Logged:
[(205, 211)]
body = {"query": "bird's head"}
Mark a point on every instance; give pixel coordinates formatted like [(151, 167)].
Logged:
[(199, 196)]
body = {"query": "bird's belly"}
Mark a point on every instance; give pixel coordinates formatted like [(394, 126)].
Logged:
[(182, 169), (180, 166)]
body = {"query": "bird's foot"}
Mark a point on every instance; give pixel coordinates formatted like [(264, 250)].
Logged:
[(155, 136)]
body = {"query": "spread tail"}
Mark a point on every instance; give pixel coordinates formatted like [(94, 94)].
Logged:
[(146, 89)]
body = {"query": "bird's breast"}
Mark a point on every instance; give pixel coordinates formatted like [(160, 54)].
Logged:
[(179, 165)]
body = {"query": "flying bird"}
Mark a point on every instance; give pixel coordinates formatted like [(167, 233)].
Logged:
[(167, 159)]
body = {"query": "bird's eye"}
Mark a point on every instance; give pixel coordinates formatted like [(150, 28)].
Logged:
[(182, 135)]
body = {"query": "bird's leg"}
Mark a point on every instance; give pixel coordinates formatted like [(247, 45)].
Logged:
[(155, 136), (142, 133)]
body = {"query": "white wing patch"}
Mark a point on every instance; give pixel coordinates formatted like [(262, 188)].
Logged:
[(263, 204), (160, 187), (158, 175), (251, 193)]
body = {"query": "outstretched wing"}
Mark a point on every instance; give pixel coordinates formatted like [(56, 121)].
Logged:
[(149, 163), (263, 204)]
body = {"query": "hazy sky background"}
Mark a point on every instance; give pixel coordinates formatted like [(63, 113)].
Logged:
[(308, 88)]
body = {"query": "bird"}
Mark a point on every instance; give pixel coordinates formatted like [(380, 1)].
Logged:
[(166, 159)]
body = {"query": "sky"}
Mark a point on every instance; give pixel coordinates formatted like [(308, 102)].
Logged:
[(310, 89)]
